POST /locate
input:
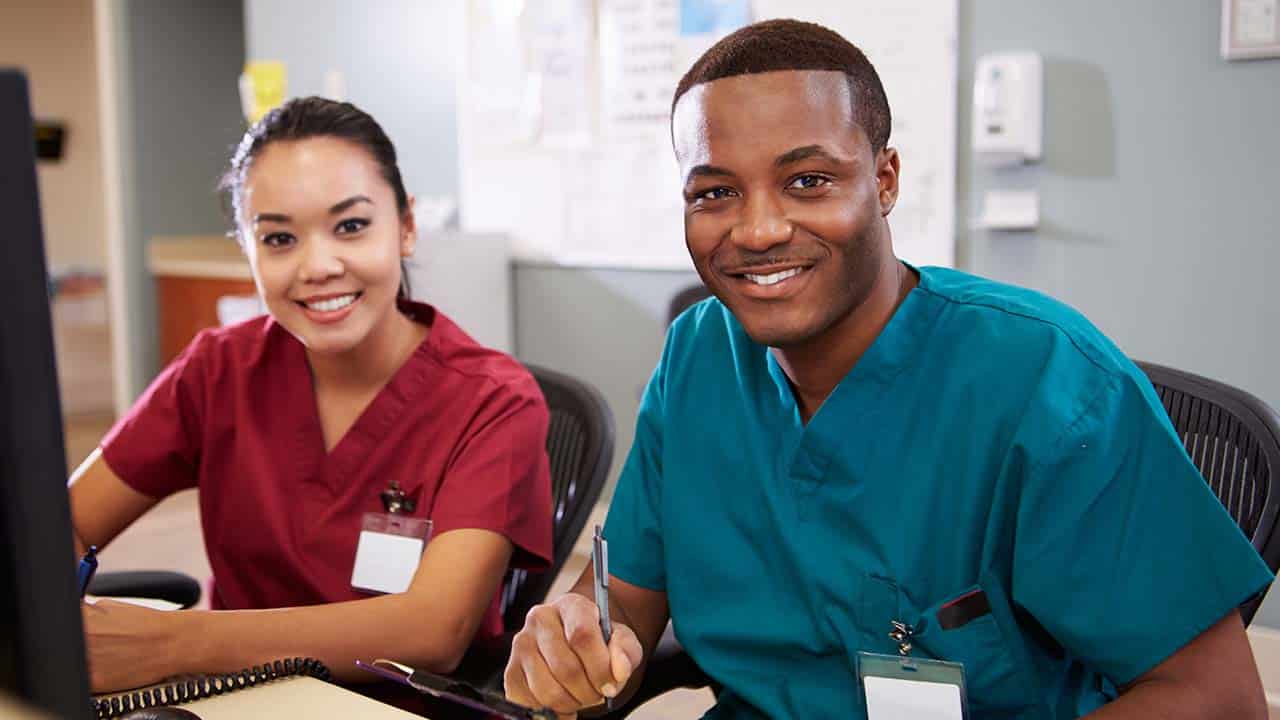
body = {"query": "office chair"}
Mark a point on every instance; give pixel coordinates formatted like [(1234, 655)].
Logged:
[(1232, 437), (1234, 440), (685, 298), (580, 449)]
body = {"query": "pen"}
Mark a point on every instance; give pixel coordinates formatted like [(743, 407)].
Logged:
[(600, 568), (88, 566)]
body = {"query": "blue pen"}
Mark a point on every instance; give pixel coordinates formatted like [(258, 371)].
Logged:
[(600, 568), (88, 566)]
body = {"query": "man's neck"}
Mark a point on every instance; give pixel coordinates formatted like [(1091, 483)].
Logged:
[(817, 366)]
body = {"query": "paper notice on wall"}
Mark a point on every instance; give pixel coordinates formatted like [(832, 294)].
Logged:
[(498, 101), (638, 71), (262, 86), (1255, 22), (561, 43)]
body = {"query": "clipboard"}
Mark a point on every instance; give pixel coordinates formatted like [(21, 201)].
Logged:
[(454, 691)]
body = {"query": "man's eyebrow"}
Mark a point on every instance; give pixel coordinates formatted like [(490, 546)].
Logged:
[(346, 204), (804, 153), (707, 170)]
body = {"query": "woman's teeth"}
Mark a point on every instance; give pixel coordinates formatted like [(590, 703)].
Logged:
[(774, 278), (332, 304)]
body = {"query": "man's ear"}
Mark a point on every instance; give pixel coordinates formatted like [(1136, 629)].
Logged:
[(409, 230), (887, 173)]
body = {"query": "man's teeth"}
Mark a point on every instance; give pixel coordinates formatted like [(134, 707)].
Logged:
[(332, 304), (774, 278)]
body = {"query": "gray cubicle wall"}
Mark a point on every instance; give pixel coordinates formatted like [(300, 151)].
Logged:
[(605, 326), (179, 115)]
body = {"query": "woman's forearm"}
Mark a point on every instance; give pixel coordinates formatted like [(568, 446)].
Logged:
[(398, 627)]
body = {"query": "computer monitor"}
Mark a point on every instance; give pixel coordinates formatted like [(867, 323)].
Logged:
[(42, 658)]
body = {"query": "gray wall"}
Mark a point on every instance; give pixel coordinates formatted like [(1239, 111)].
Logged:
[(1161, 220), (604, 326), (1159, 183), (178, 63), (398, 59)]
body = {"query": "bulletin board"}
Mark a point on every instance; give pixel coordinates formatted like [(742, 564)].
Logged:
[(563, 105)]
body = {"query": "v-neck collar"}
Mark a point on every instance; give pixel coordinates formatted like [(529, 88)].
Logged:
[(377, 419), (897, 345)]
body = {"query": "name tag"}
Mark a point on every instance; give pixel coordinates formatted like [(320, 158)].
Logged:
[(388, 552), (921, 689)]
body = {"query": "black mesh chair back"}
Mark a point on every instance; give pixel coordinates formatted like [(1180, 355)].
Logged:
[(580, 448), (685, 298), (1234, 439)]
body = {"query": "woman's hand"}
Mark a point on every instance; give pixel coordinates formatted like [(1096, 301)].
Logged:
[(129, 646)]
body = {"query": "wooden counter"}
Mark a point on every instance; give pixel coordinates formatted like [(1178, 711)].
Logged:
[(191, 273)]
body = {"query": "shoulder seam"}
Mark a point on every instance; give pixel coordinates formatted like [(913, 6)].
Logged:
[(1109, 372)]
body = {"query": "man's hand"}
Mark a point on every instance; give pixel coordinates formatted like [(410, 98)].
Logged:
[(560, 661)]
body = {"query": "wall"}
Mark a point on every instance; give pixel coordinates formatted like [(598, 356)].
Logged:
[(604, 326), (177, 64), (398, 63), (52, 40), (1158, 187)]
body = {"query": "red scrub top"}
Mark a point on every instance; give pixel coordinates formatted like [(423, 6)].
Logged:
[(462, 428)]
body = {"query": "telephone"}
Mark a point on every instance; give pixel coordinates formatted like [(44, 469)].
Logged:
[(197, 688)]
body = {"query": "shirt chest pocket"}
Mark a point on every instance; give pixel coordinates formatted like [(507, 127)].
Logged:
[(997, 677)]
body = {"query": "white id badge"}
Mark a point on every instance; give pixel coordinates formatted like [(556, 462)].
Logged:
[(388, 552), (918, 688)]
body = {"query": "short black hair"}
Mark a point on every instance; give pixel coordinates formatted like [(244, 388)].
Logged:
[(774, 45)]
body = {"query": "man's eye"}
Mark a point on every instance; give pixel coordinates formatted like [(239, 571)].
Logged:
[(277, 240), (809, 182), (715, 193), (352, 225)]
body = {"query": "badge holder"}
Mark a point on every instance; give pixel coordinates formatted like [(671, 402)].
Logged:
[(390, 545), (900, 686)]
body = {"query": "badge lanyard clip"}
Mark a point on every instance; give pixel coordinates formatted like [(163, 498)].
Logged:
[(395, 501)]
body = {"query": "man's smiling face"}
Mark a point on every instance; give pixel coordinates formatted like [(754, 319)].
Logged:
[(784, 200)]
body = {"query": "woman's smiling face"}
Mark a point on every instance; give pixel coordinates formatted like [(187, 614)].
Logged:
[(324, 238)]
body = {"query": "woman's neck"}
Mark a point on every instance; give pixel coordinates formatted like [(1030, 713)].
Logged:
[(370, 364)]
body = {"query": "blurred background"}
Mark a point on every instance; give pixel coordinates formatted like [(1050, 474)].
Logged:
[(1121, 157)]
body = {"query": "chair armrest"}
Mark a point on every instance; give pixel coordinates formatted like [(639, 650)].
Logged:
[(175, 587)]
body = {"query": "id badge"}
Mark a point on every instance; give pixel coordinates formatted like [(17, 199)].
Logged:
[(905, 687), (388, 552)]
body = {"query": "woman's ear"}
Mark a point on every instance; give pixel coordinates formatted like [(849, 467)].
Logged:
[(409, 231)]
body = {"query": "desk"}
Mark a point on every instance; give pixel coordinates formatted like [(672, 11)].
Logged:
[(191, 274), (297, 697)]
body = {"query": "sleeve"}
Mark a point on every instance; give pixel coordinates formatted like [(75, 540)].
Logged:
[(155, 447), (634, 525), (1123, 552), (499, 478)]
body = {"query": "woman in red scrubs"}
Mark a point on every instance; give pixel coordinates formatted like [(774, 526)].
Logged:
[(294, 425)]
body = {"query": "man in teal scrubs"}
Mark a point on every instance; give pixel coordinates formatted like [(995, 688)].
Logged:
[(839, 441)]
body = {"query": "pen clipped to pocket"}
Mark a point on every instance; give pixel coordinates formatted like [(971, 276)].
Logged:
[(963, 610)]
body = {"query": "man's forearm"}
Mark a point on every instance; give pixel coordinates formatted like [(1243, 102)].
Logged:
[(1169, 700)]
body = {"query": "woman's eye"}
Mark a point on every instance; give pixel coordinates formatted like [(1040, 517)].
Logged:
[(809, 182), (352, 225), (277, 240)]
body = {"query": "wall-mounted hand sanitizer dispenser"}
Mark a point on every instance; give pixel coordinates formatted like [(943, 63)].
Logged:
[(1008, 108)]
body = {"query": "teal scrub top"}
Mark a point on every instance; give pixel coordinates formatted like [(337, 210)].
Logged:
[(989, 438)]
